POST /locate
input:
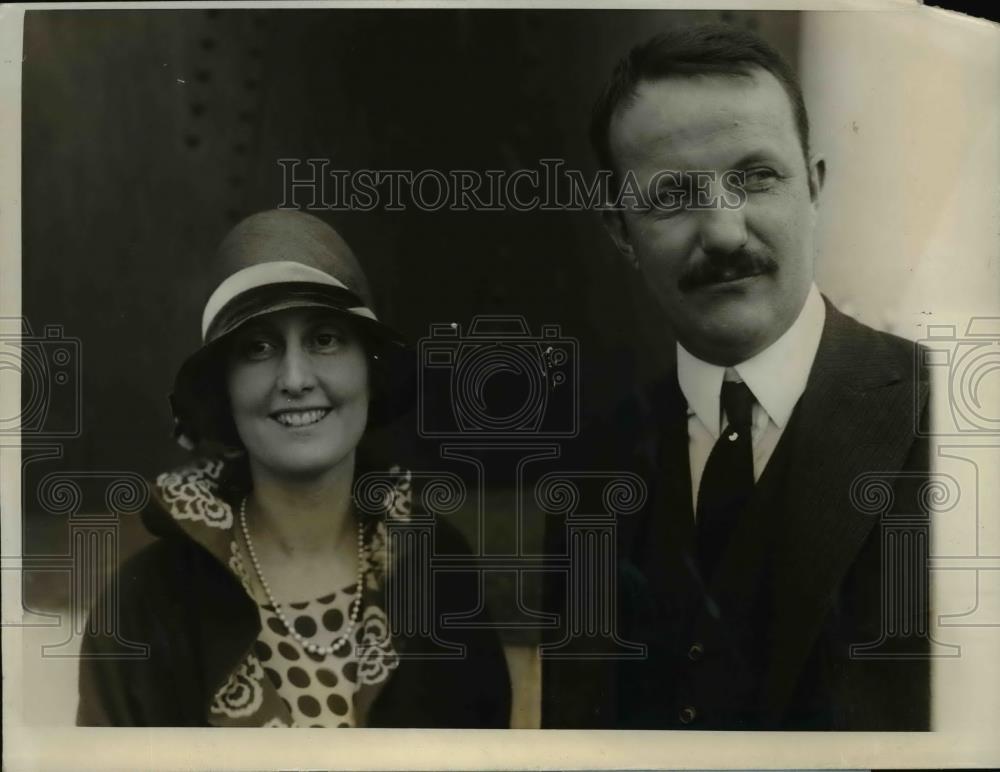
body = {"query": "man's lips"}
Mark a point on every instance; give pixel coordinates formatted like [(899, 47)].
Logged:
[(726, 271), (730, 278), (727, 280), (293, 418)]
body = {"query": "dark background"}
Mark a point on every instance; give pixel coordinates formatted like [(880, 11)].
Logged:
[(977, 8), (147, 134)]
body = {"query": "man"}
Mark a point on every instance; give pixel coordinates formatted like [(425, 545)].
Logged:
[(752, 571)]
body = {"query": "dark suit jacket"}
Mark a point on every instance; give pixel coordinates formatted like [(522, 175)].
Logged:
[(767, 643)]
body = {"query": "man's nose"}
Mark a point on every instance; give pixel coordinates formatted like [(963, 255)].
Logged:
[(296, 374), (721, 231)]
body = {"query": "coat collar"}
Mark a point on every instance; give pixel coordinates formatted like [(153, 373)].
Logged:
[(776, 376), (188, 501), (192, 502)]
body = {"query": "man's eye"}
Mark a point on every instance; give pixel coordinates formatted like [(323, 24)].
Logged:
[(666, 211), (672, 198), (759, 179)]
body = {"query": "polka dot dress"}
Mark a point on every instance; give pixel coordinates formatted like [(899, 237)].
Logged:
[(317, 689)]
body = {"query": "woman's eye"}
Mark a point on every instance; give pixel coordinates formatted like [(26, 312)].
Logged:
[(327, 340), (256, 349)]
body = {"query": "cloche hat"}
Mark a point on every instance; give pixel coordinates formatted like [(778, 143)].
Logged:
[(272, 261)]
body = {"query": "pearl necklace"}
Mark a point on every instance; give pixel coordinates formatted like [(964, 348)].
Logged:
[(312, 648)]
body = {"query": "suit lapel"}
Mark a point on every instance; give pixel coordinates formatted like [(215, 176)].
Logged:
[(854, 417)]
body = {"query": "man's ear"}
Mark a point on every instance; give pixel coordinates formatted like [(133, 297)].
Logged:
[(817, 176), (614, 223)]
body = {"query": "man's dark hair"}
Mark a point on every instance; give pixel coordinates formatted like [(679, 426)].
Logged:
[(705, 49)]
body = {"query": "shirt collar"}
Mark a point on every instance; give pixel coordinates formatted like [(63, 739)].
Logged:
[(777, 375)]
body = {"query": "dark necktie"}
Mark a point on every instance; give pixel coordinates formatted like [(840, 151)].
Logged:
[(727, 482)]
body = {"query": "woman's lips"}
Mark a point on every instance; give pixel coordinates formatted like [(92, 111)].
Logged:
[(296, 418)]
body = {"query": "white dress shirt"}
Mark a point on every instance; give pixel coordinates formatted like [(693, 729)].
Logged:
[(777, 377)]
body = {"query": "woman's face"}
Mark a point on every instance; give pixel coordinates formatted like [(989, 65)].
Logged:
[(298, 390)]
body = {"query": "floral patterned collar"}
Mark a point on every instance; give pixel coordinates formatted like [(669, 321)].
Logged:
[(190, 497)]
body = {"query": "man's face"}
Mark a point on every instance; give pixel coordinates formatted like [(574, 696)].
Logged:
[(731, 280)]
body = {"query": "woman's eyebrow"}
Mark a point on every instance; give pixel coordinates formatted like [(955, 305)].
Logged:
[(256, 327)]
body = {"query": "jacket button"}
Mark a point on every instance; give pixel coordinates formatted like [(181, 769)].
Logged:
[(696, 652), (687, 715)]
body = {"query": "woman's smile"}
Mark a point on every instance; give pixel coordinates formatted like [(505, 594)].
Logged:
[(299, 417)]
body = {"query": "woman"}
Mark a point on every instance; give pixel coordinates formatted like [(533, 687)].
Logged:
[(263, 601)]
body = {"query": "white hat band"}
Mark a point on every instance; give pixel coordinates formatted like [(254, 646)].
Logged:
[(264, 274)]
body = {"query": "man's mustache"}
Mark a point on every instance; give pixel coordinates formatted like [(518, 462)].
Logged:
[(716, 269)]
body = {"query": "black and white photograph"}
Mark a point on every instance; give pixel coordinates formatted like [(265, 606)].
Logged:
[(631, 374)]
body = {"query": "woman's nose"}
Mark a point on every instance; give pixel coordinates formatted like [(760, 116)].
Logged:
[(296, 374)]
